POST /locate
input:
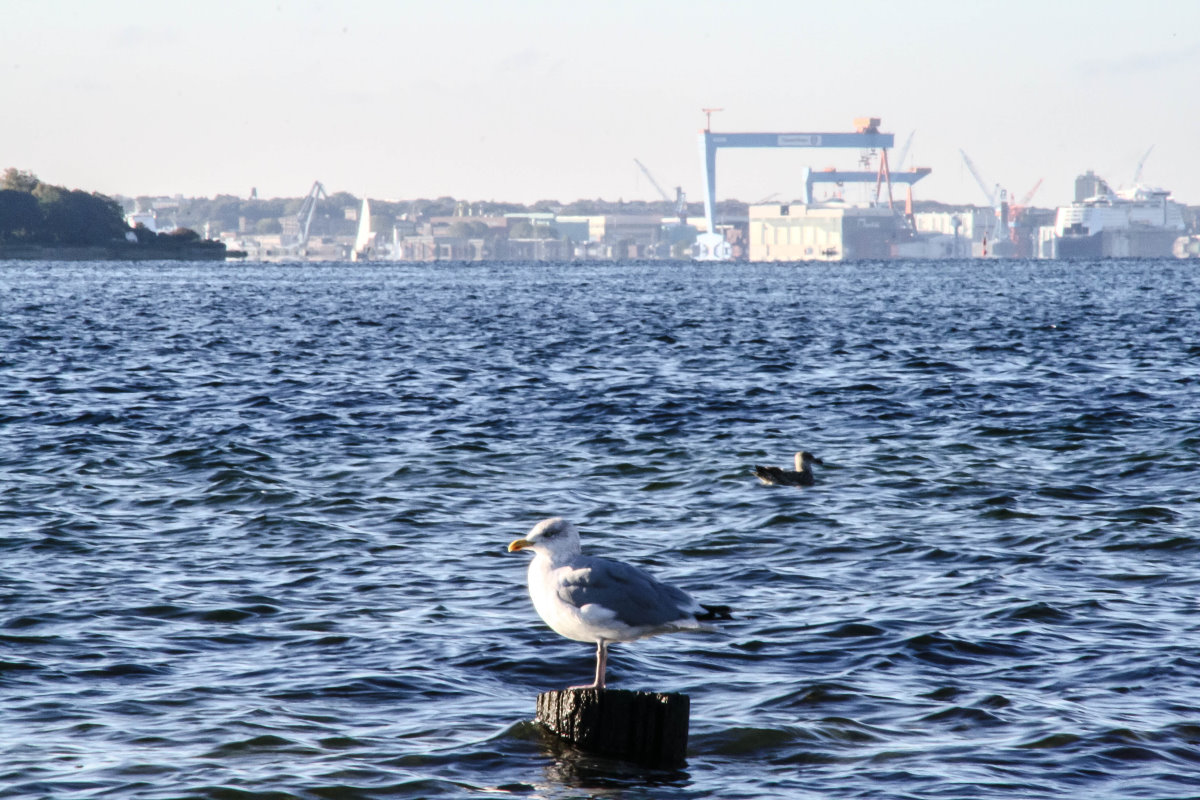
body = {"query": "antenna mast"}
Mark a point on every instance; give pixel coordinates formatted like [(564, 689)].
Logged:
[(708, 112)]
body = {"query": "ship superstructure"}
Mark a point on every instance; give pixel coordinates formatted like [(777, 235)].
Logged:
[(1140, 222)]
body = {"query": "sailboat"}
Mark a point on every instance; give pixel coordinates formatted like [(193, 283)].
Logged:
[(364, 243)]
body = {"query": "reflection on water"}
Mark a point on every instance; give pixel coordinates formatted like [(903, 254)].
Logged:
[(569, 769)]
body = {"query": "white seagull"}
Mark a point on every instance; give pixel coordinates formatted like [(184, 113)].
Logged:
[(599, 600)]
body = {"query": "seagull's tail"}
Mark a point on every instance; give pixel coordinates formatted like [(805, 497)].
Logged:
[(714, 612), (768, 475)]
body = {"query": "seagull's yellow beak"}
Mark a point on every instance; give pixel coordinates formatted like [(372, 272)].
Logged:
[(519, 544)]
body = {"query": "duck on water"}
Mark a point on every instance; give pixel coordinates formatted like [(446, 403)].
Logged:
[(801, 476)]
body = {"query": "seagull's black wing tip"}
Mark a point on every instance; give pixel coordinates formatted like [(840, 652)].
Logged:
[(714, 612)]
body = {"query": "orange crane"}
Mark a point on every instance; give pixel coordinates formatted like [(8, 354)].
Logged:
[(1023, 203)]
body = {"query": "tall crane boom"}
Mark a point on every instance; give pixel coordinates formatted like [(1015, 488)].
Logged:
[(904, 151), (1137, 174), (1029, 195), (653, 182), (988, 193), (307, 209)]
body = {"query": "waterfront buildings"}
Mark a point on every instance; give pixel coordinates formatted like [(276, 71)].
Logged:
[(1133, 223), (787, 232)]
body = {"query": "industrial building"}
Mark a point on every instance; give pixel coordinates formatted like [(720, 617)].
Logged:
[(783, 232)]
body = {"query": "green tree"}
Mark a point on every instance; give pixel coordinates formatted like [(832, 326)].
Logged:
[(585, 208), (144, 235), (19, 180), (441, 207), (268, 226), (222, 211), (41, 213), (470, 229), (20, 216), (181, 236), (54, 223), (100, 219), (493, 208), (78, 218)]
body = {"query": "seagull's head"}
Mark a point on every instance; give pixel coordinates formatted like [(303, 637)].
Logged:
[(554, 537), (805, 459)]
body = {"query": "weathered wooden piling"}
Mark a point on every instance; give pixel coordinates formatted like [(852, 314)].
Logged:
[(650, 728)]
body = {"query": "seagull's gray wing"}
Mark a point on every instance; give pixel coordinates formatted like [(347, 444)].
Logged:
[(636, 598)]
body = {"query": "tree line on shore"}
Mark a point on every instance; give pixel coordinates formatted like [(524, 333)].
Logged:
[(36, 213), (33, 212)]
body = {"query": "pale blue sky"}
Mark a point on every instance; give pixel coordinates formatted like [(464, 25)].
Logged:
[(531, 99)]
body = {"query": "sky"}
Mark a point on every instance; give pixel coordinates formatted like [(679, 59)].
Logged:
[(527, 100)]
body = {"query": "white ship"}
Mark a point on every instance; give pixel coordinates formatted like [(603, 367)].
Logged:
[(1141, 222)]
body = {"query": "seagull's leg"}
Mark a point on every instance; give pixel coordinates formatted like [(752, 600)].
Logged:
[(601, 663)]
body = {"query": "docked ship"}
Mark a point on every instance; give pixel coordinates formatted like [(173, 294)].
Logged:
[(1142, 222)]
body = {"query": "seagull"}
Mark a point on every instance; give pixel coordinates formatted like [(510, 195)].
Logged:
[(778, 476), (599, 600)]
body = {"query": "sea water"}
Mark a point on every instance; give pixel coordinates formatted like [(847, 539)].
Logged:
[(253, 522)]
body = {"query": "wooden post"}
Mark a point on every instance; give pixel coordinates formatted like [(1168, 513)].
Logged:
[(650, 728)]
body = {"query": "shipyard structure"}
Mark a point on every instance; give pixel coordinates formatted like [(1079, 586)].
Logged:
[(828, 230), (1141, 222), (834, 214)]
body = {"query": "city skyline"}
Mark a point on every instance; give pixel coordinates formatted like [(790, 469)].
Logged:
[(532, 100)]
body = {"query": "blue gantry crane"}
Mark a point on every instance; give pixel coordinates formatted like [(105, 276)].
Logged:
[(866, 136)]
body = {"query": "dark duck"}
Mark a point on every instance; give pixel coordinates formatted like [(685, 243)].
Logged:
[(801, 476)]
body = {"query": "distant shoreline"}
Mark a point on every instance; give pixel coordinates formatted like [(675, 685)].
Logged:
[(120, 251)]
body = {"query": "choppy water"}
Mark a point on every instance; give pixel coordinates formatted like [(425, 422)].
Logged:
[(253, 524)]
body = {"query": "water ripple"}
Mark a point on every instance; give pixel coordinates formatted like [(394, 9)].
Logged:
[(253, 521)]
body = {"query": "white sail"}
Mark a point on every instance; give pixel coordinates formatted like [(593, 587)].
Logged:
[(366, 238)]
